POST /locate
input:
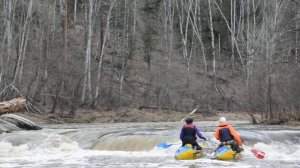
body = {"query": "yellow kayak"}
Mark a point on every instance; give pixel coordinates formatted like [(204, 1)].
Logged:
[(226, 153), (188, 153)]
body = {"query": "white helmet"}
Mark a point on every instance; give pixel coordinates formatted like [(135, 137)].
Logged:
[(222, 120)]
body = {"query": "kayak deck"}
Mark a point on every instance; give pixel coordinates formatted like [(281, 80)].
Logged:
[(226, 153), (188, 153)]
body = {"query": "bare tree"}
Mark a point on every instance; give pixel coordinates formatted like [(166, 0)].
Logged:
[(197, 28), (23, 46), (134, 17), (232, 22), (99, 69), (187, 52), (7, 7), (75, 10), (228, 26), (168, 28), (87, 66), (297, 38), (257, 40), (212, 38)]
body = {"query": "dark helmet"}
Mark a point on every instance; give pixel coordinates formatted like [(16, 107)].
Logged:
[(189, 120)]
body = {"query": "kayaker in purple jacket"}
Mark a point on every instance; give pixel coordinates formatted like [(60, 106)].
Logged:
[(188, 134)]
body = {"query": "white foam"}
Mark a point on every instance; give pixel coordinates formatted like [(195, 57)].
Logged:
[(45, 149), (285, 151)]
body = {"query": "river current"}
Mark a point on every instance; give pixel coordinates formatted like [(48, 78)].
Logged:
[(129, 145)]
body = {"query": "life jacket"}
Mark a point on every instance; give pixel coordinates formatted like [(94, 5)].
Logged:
[(189, 132), (226, 132)]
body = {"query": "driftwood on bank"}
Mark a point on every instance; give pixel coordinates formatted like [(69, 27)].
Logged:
[(13, 105)]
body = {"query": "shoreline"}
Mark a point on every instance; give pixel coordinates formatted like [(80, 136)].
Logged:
[(134, 115), (130, 115)]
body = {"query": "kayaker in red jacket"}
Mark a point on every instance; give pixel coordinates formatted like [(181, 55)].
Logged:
[(226, 134), (189, 132)]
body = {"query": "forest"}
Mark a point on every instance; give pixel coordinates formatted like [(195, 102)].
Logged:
[(220, 55)]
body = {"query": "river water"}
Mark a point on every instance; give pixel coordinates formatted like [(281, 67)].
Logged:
[(130, 145)]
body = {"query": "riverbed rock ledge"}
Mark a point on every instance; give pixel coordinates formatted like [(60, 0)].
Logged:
[(11, 122)]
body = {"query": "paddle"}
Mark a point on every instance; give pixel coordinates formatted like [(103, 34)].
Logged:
[(165, 145), (192, 112), (258, 153)]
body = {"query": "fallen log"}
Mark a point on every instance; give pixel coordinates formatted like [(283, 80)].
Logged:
[(13, 105)]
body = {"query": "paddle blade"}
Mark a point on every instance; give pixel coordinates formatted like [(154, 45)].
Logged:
[(163, 145), (258, 153)]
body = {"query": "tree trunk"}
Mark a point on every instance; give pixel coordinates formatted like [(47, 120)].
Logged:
[(97, 90), (125, 51), (13, 105), (22, 46), (75, 9), (134, 17), (66, 30), (297, 44), (196, 25), (229, 28), (184, 29), (87, 66), (212, 41), (232, 22), (8, 35)]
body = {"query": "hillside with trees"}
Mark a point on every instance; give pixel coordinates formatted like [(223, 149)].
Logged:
[(220, 55)]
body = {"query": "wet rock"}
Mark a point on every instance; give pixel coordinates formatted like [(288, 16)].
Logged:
[(6, 126), (20, 122)]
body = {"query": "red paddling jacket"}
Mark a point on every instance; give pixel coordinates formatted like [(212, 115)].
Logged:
[(225, 132)]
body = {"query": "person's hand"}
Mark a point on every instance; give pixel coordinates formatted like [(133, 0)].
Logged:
[(205, 139), (242, 147)]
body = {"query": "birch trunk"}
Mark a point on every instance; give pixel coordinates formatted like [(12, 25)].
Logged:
[(66, 29), (240, 24), (232, 21), (9, 30), (87, 65), (75, 12), (168, 31), (23, 45), (228, 26), (99, 70), (297, 38), (196, 25), (125, 51), (248, 43), (134, 17), (181, 22), (184, 29), (7, 8), (212, 38)]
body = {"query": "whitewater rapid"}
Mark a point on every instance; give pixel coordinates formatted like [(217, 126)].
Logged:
[(134, 145)]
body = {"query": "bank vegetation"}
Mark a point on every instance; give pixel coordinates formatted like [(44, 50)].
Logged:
[(220, 55)]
